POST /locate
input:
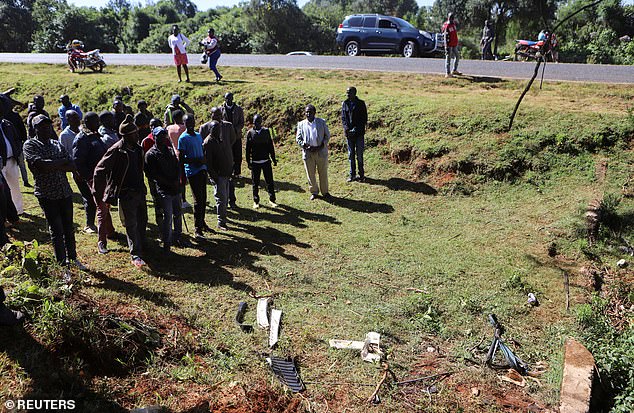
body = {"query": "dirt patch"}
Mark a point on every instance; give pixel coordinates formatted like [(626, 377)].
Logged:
[(260, 398)]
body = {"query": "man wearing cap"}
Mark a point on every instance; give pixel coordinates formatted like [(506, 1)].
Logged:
[(118, 179), (49, 163), (163, 172), (176, 104), (67, 105), (218, 148), (313, 136), (190, 153), (10, 150), (354, 116), (86, 151), (142, 119)]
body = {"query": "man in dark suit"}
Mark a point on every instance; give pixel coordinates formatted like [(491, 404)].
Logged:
[(354, 116)]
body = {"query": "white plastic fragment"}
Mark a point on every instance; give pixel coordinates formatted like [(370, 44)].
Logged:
[(263, 309), (276, 316)]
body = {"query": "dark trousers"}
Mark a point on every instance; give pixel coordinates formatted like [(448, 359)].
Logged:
[(133, 215), (237, 155), (158, 203), (213, 60), (356, 146), (171, 206), (59, 215), (89, 201), (11, 213), (267, 169), (3, 217), (198, 184)]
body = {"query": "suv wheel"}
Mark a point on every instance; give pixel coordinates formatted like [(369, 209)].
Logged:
[(352, 48), (409, 50)]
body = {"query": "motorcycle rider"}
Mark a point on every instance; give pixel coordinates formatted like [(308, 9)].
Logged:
[(74, 50)]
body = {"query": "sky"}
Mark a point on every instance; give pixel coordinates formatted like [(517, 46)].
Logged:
[(205, 4)]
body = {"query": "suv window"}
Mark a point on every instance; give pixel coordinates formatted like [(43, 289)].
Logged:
[(386, 24), (369, 22), (355, 21)]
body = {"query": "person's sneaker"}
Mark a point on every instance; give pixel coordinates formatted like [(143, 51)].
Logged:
[(101, 248), (10, 317), (223, 227), (138, 262), (90, 229), (313, 197), (350, 179), (448, 75), (361, 179), (186, 205), (66, 275), (256, 205), (273, 204), (79, 265), (199, 235), (456, 73)]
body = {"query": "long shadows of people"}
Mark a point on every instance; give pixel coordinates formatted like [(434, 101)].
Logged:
[(360, 205), (400, 184), (280, 186), (49, 379), (285, 214), (157, 297)]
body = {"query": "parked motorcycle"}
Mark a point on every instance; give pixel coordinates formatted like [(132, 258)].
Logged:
[(78, 60), (533, 50)]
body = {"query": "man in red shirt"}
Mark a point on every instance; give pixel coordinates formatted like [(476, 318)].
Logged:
[(451, 46)]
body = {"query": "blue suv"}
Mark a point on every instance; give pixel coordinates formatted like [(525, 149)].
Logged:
[(377, 33)]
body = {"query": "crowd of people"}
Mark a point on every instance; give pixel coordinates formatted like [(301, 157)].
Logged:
[(110, 154)]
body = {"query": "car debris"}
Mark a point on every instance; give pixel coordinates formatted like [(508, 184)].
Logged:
[(242, 308), (276, 317), (286, 372), (532, 300), (513, 361), (370, 347), (263, 310)]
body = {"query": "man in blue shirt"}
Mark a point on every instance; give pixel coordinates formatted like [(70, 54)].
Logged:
[(190, 150), (67, 105)]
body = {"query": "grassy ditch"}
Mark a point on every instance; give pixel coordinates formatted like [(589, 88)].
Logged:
[(458, 219)]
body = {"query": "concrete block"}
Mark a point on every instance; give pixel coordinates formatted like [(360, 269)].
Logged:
[(576, 386)]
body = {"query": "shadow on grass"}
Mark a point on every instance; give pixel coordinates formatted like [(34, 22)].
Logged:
[(481, 79), (400, 184), (361, 205), (50, 379), (285, 214), (32, 227), (124, 287), (280, 186)]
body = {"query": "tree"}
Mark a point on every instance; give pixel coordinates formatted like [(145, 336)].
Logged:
[(15, 25), (137, 28), (119, 10)]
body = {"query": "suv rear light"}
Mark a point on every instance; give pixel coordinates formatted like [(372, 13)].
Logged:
[(341, 25)]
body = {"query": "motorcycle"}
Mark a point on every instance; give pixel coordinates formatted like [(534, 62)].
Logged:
[(533, 50), (78, 60)]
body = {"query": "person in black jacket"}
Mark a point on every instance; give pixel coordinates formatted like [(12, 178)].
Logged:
[(12, 136), (259, 153), (88, 149), (354, 116), (163, 170)]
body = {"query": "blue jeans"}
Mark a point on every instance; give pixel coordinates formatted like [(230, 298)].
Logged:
[(451, 53), (213, 60), (221, 194), (356, 146), (171, 206)]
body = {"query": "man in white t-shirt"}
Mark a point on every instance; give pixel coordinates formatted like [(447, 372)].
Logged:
[(178, 42)]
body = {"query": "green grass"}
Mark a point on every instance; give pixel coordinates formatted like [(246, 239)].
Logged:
[(341, 269)]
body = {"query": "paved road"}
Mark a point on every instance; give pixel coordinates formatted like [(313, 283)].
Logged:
[(516, 70)]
